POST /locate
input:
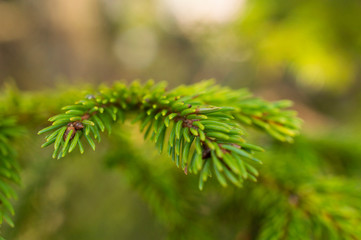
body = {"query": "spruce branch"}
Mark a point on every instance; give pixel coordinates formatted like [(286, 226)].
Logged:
[(9, 168), (271, 117), (325, 209), (203, 138)]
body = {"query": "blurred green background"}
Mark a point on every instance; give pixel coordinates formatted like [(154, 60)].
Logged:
[(307, 51)]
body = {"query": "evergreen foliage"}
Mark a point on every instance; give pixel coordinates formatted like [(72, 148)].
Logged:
[(200, 123), (9, 168), (300, 201), (202, 126)]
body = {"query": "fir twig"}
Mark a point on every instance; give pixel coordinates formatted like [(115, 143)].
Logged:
[(202, 138)]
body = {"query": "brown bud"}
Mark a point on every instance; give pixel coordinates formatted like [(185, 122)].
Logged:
[(187, 123), (206, 153), (78, 125), (86, 116), (67, 132)]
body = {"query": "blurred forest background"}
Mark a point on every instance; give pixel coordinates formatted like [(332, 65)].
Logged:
[(307, 51)]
